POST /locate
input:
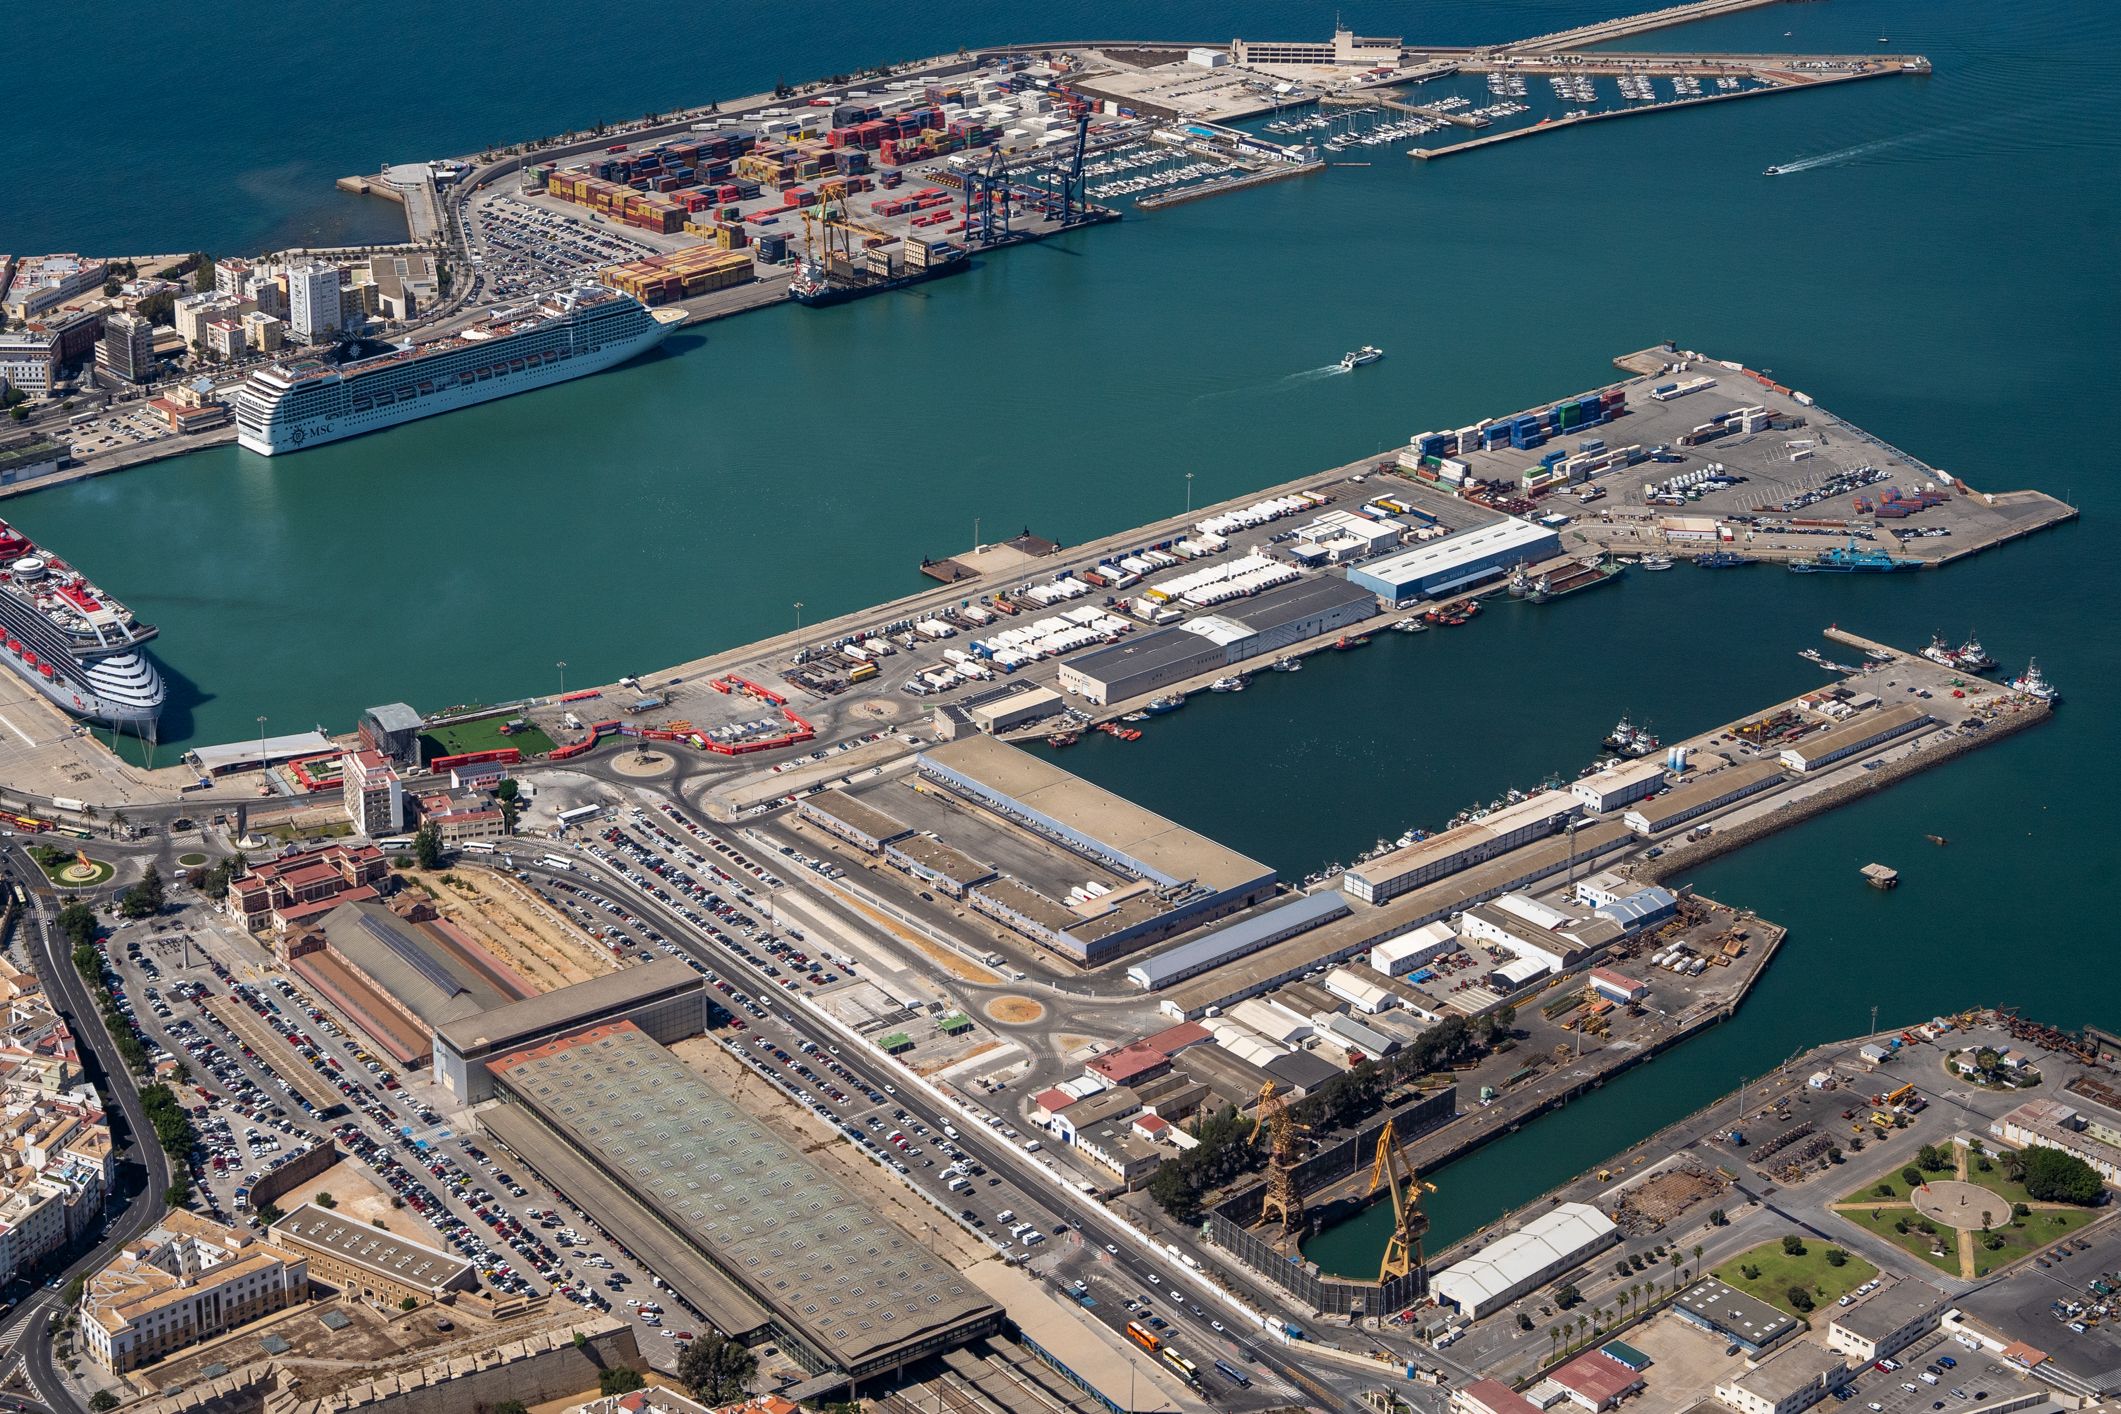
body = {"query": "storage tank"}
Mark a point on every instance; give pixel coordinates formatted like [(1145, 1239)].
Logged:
[(1675, 759)]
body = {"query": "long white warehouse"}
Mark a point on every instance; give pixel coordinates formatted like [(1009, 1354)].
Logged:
[(1535, 1254)]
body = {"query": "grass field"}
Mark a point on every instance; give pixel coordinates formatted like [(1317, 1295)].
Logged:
[(1779, 1271), (1869, 1192), (482, 735), (1914, 1241), (2032, 1234), (192, 860)]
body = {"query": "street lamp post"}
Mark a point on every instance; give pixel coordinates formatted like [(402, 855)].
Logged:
[(261, 745), (1189, 493), (799, 616), (562, 666)]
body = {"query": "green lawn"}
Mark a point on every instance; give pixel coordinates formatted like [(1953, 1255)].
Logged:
[(192, 860), (1915, 1242), (56, 870), (482, 735), (1779, 1271), (1869, 1194), (2040, 1231)]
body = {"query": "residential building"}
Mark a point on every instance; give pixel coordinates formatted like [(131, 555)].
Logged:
[(262, 332), (74, 334), (233, 276), (277, 894), (127, 349), (375, 797), (195, 311), (313, 302), (29, 361), (187, 1281), (60, 1158), (225, 340)]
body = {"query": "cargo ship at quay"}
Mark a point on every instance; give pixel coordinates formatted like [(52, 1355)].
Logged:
[(79, 648), (288, 406)]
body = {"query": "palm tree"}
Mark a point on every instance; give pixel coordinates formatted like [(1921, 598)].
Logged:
[(1621, 1300), (1553, 1341), (1697, 1251)]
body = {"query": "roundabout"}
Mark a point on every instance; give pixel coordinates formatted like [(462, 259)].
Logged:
[(1962, 1206), (643, 764), (79, 873), (1014, 1010)]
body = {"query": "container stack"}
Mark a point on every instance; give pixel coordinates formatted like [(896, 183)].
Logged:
[(659, 279)]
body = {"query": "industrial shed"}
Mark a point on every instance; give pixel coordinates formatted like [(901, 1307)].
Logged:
[(1535, 1254)]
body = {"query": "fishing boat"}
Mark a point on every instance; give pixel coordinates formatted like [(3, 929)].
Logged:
[(1368, 353), (1852, 559), (1288, 665), (1722, 560), (2033, 684), (1880, 655), (1236, 684), (1410, 626), (1630, 740), (1656, 562), (1157, 706), (1343, 643), (1064, 738)]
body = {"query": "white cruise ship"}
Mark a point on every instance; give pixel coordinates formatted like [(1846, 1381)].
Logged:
[(80, 648), (288, 406)]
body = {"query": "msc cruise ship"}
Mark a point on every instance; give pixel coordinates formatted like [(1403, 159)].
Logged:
[(76, 645), (287, 406)]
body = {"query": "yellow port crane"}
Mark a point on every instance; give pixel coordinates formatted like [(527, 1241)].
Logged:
[(1403, 1255), (1283, 1199), (828, 230)]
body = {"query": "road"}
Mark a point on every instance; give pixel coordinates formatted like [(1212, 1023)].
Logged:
[(1027, 1188), (131, 1213)]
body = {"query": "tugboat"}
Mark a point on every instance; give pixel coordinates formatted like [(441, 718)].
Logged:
[(1157, 706), (2032, 684), (1630, 740), (1368, 353), (1940, 652), (1850, 559), (1973, 657)]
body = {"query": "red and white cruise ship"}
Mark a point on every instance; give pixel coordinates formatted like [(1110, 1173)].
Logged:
[(75, 644)]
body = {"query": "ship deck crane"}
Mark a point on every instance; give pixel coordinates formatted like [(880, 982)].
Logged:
[(1403, 1255)]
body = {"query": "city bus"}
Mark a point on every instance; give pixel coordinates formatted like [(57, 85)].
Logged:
[(1142, 1336), (1234, 1375)]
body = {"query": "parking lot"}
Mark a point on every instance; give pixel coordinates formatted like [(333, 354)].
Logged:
[(116, 430), (1938, 1372), (250, 1118), (520, 250)]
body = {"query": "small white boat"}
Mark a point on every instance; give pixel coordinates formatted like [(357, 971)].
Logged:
[(1368, 353)]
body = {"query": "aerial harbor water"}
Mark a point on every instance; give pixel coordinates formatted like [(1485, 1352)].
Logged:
[(1925, 264)]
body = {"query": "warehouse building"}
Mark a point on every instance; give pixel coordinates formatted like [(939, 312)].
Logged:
[(1696, 798), (938, 865), (1400, 956), (1525, 1260), (1233, 940), (665, 998), (1424, 861), (855, 821), (1617, 786), (399, 975), (1888, 1322), (1277, 619), (1859, 735), (1729, 1314), (1006, 711), (1458, 562), (838, 1285), (1180, 879), (1365, 928)]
